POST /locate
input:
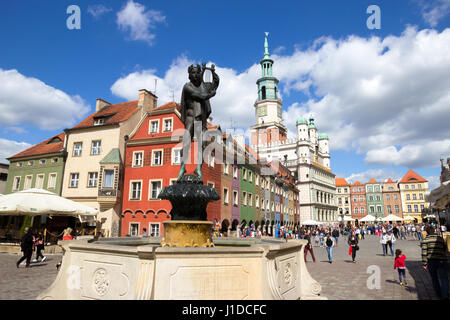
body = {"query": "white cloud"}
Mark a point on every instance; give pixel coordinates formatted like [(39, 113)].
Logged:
[(434, 10), (98, 10), (433, 182), (138, 21), (9, 148), (234, 99), (380, 175), (372, 95), (25, 100)]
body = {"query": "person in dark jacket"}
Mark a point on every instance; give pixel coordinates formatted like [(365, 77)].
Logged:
[(308, 246), (335, 235), (353, 243), (26, 245), (39, 244)]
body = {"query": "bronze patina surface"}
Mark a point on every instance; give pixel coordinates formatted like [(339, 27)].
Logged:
[(181, 234)]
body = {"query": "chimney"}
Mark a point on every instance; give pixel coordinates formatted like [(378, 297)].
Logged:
[(101, 104), (147, 100)]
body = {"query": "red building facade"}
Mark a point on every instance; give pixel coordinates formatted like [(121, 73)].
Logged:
[(358, 200), (152, 162)]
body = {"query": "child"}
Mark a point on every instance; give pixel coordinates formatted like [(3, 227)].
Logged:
[(400, 264)]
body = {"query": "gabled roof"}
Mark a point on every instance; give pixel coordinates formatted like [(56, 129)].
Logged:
[(341, 182), (51, 145), (169, 105), (411, 176), (117, 113), (112, 157), (357, 183), (389, 180), (372, 181)]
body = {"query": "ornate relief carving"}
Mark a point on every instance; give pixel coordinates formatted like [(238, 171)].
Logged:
[(101, 281)]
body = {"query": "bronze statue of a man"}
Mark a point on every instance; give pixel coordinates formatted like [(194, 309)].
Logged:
[(195, 107)]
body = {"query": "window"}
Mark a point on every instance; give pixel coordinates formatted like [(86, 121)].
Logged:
[(16, 184), (43, 161), (378, 198), (52, 181), (416, 208), (244, 174), (250, 176), (108, 178), (355, 199), (354, 190), (362, 210), (361, 198), (211, 161), (134, 229), (388, 197), (369, 189), (92, 179), (176, 156), (39, 181), (226, 168), (414, 196), (389, 209), (155, 189), (370, 198), (99, 121), (409, 208), (413, 186), (167, 124), (157, 158), (360, 190), (356, 210), (235, 198), (137, 159), (225, 195), (154, 229), (54, 160), (372, 209), (419, 186), (95, 150), (19, 164), (257, 179), (250, 200), (421, 196), (397, 209), (422, 207), (378, 208), (395, 197), (31, 163), (345, 190), (377, 189), (136, 187), (235, 172), (408, 197), (74, 180), (77, 147), (154, 126), (339, 201), (257, 201), (28, 180), (244, 198), (406, 187)]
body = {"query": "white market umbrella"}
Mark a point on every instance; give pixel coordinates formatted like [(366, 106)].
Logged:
[(392, 217), (36, 202), (348, 218), (368, 218), (309, 223), (408, 218)]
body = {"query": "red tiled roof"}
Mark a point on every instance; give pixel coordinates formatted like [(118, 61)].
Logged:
[(411, 176), (42, 148), (119, 111), (169, 105), (357, 183), (372, 181), (341, 182), (389, 180)]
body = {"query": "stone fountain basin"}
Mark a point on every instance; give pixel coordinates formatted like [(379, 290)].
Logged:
[(139, 268)]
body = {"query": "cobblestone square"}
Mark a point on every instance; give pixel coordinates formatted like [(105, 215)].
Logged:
[(341, 280)]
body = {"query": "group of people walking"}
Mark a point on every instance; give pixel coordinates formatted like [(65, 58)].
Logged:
[(29, 243)]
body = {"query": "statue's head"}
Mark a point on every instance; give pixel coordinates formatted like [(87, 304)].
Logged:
[(195, 74)]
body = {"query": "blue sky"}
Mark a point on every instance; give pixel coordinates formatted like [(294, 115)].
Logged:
[(322, 52)]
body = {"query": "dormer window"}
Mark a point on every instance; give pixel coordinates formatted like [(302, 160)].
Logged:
[(99, 121)]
